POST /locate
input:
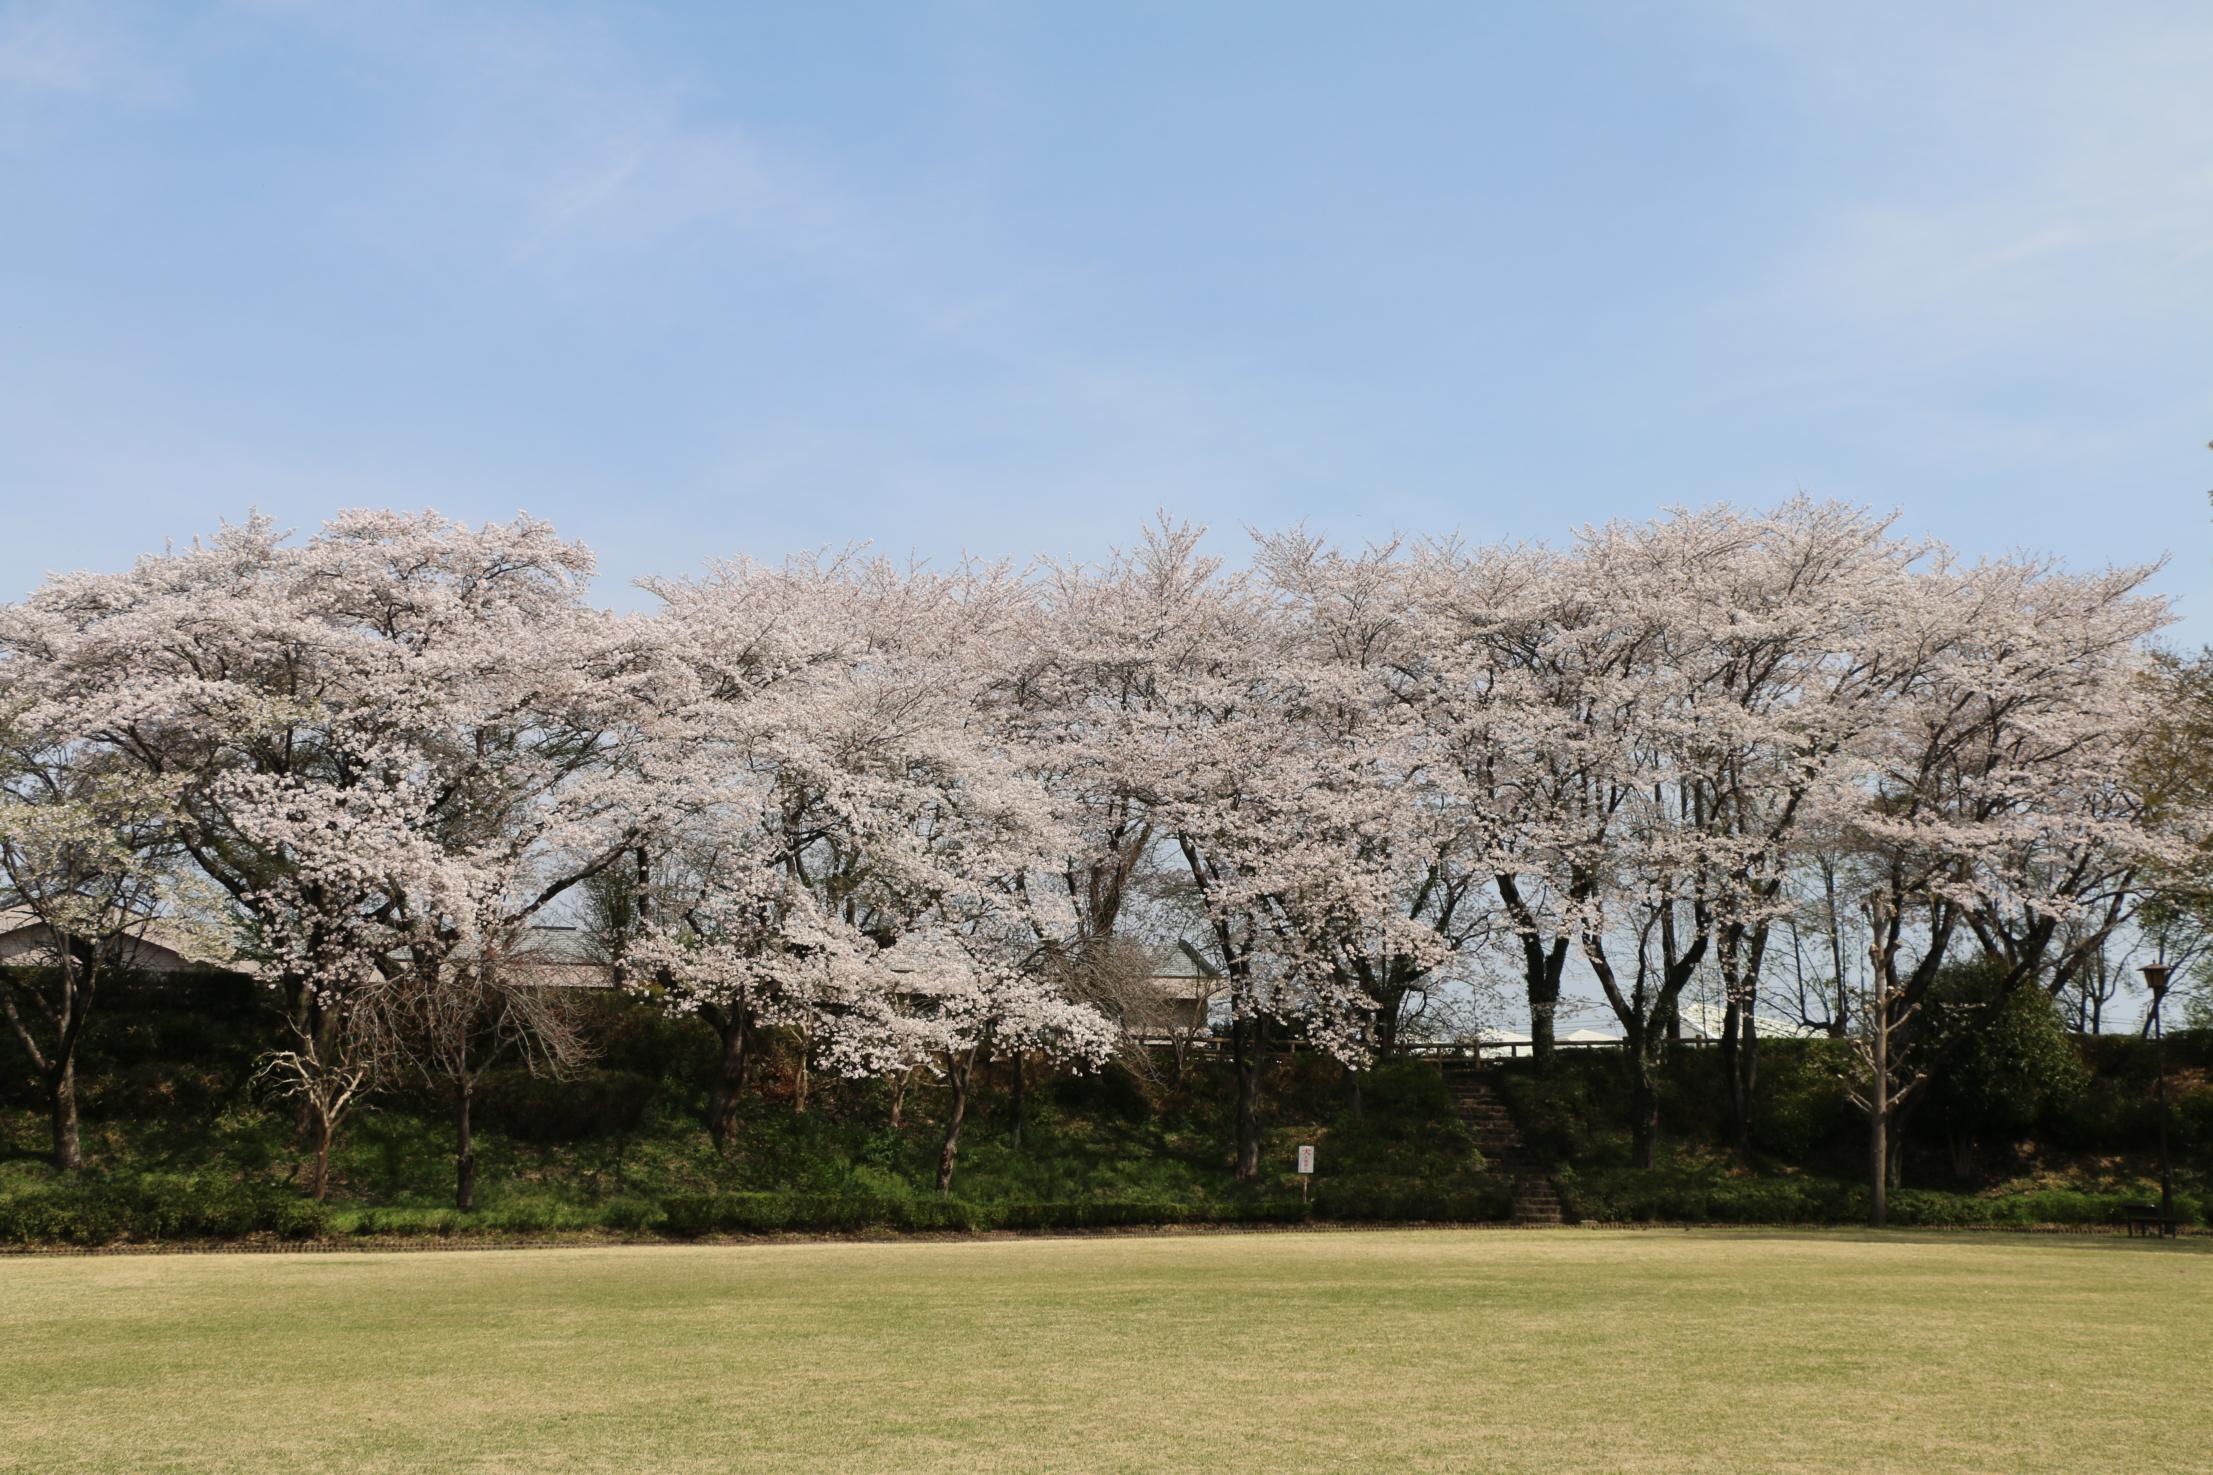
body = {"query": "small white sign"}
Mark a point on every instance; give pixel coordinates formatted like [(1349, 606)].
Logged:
[(1306, 1159)]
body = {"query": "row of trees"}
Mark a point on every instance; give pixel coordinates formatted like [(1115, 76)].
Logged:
[(914, 816)]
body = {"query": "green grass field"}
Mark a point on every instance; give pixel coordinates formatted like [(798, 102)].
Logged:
[(1400, 1351)]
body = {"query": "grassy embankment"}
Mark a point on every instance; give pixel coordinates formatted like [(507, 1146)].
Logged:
[(182, 1145)]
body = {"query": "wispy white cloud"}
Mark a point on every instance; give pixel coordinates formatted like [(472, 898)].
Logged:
[(541, 143)]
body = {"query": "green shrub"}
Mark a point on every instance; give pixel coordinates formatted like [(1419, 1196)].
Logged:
[(1563, 1117), (687, 1216), (535, 1214), (60, 1217), (156, 1207), (298, 1219), (1800, 1111), (631, 1214), (2066, 1206), (403, 1221), (1405, 1096), (1700, 1195), (1693, 1196), (1999, 1058)]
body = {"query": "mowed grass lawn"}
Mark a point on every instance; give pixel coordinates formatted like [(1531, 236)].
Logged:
[(1396, 1351)]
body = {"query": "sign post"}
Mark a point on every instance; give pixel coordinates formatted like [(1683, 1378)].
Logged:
[(1306, 1169)]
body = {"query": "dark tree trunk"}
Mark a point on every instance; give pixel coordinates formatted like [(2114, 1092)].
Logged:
[(1740, 1066), (464, 1157), (1015, 1101), (1248, 1041), (55, 1065), (1390, 997), (1644, 1097), (1749, 1074), (1742, 953), (1384, 1029), (1732, 1020), (1648, 1027), (956, 1076), (728, 1081), (68, 1150), (1541, 967), (1544, 1011)]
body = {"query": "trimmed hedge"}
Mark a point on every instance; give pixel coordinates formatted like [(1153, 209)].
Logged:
[(1688, 1197), (687, 1216), (152, 1208), (1911, 1206), (511, 1214), (156, 1207), (1629, 1195), (1405, 1201)]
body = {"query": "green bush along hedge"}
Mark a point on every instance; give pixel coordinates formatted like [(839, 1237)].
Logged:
[(156, 1207)]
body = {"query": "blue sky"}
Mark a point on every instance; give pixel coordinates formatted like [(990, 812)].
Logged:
[(693, 280)]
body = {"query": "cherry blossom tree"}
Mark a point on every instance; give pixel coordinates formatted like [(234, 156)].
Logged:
[(902, 812), (395, 739), (743, 952), (1388, 893), (1786, 638), (950, 999), (1207, 713), (1644, 728), (1510, 698), (84, 871), (847, 758), (2006, 801)]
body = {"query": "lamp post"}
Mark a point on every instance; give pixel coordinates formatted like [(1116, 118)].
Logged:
[(2155, 978)]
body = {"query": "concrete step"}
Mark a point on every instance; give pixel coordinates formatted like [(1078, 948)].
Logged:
[(1491, 1127)]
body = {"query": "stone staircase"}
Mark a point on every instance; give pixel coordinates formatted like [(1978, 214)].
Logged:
[(1536, 1201)]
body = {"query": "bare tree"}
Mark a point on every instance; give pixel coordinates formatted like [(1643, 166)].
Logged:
[(1888, 1078), (328, 1070), (447, 1021)]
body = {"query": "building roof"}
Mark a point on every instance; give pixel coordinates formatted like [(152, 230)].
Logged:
[(1181, 959), (163, 944)]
